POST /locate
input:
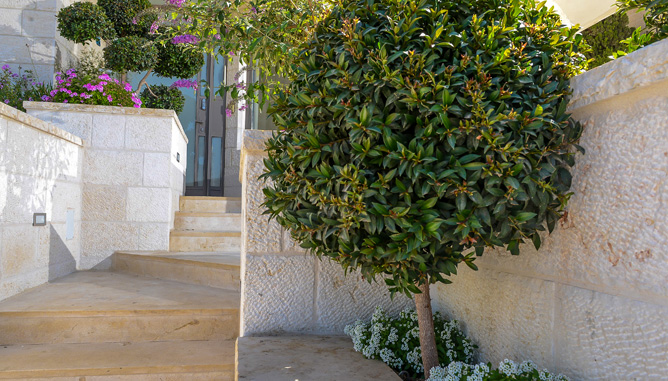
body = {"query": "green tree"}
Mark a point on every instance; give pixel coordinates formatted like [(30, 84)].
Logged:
[(129, 29), (605, 37), (416, 134)]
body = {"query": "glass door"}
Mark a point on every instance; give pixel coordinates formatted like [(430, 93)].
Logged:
[(206, 157)]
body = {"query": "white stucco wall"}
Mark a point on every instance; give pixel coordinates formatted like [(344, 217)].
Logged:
[(40, 172), (132, 179), (592, 302), (283, 289)]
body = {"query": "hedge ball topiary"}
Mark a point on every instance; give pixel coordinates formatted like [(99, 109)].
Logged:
[(130, 53), (83, 22), (415, 131), (163, 97), (178, 61), (127, 16)]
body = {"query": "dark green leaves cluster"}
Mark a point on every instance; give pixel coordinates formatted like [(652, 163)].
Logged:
[(163, 97), (130, 53), (656, 15), (178, 61), (82, 22), (127, 16), (418, 133), (605, 37)]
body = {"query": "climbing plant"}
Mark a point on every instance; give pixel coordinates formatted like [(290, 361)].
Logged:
[(417, 134)]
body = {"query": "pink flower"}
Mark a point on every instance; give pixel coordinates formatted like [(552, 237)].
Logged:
[(228, 112), (185, 39), (105, 77), (127, 87), (110, 98), (176, 3), (185, 83)]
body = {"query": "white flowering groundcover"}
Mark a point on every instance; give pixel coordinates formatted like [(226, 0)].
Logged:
[(508, 370), (397, 341)]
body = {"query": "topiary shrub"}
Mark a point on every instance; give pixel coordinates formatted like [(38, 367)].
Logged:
[(130, 53), (178, 61), (163, 97), (605, 37), (82, 22), (416, 134), (127, 17)]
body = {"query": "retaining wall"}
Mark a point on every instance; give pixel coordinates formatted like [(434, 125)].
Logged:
[(592, 302)]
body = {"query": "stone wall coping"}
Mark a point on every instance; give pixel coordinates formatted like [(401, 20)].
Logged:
[(641, 68), (38, 124), (96, 109), (253, 142)]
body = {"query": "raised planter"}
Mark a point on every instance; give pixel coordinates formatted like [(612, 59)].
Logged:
[(133, 172)]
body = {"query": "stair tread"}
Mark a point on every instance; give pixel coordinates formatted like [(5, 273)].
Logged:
[(72, 360), (90, 293), (210, 198), (211, 259), (200, 233), (188, 213)]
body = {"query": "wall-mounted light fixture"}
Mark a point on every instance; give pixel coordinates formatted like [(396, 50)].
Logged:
[(178, 157), (39, 219)]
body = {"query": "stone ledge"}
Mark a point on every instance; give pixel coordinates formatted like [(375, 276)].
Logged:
[(644, 67), (38, 124), (322, 358), (253, 143), (95, 109)]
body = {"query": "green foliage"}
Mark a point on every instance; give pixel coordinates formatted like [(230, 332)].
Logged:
[(417, 130), (637, 40), (83, 22), (127, 17), (130, 53), (265, 34), (656, 17), (178, 61), (18, 87), (396, 342), (163, 97), (604, 38)]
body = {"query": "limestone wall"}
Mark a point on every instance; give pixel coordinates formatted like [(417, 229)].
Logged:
[(592, 302), (133, 172), (283, 289), (40, 172)]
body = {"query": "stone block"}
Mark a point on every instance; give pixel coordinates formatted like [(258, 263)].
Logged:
[(342, 299), (278, 295), (149, 205), (506, 315), (76, 123), (23, 196), (24, 154), (55, 252), (99, 240), (42, 50), (157, 169), (154, 236), (262, 236), (48, 5), (39, 23), (606, 337), (148, 134), (113, 167), (104, 202), (19, 249), (61, 197), (108, 131), (10, 22)]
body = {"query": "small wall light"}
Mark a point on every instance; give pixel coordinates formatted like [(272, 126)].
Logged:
[(178, 157), (39, 219)]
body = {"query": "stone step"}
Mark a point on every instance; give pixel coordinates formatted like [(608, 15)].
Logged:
[(220, 270), (289, 358), (99, 307), (202, 221), (210, 204), (189, 360), (204, 241)]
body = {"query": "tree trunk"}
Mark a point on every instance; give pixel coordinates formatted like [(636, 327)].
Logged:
[(426, 324)]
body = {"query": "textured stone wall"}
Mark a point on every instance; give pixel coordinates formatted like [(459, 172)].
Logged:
[(30, 39), (132, 178), (592, 302), (40, 172), (283, 289)]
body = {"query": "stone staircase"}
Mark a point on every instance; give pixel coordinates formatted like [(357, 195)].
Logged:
[(154, 316)]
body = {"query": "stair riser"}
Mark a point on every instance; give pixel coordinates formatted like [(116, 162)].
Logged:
[(223, 278), (221, 223), (186, 243), (209, 206), (203, 376), (101, 329)]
